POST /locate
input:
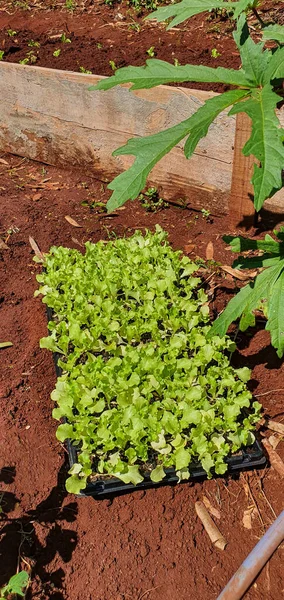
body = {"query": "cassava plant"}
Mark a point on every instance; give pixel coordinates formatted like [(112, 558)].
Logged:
[(257, 90)]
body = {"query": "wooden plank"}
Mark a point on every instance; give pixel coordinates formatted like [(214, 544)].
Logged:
[(241, 210), (50, 116)]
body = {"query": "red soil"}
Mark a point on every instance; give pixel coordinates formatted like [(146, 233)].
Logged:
[(100, 34), (149, 544)]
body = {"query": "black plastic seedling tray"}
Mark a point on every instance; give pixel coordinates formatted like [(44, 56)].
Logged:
[(251, 457)]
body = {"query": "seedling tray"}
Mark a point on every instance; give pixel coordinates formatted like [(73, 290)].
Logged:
[(251, 457)]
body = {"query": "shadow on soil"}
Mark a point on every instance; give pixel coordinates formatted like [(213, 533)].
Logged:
[(37, 536)]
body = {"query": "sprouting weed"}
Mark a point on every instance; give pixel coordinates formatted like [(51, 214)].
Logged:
[(86, 71), (151, 51), (112, 65), (215, 53)]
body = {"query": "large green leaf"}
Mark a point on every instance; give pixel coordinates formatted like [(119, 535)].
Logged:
[(275, 323), (273, 251), (247, 300), (242, 6), (275, 67), (265, 142), (242, 244), (157, 72), (149, 150), (254, 59), (274, 32), (181, 11), (204, 116)]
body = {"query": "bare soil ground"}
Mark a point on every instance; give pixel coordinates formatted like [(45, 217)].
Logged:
[(149, 544)]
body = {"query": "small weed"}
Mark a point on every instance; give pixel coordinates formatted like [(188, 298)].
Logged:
[(86, 71), (99, 45), (193, 221), (151, 201), (215, 53), (1, 54), (134, 26), (151, 51), (176, 62), (214, 29), (57, 52), (205, 213), (99, 207), (30, 58), (11, 32), (64, 39), (33, 44), (23, 5), (112, 65), (70, 4)]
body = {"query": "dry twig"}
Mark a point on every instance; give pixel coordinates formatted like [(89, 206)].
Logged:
[(211, 529)]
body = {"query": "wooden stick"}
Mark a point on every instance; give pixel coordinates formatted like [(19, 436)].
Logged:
[(215, 535)]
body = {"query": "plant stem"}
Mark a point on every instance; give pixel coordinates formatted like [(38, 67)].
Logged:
[(257, 15)]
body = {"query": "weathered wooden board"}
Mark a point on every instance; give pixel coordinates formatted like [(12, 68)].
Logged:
[(51, 116)]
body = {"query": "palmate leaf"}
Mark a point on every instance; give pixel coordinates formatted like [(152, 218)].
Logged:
[(181, 11), (248, 299), (274, 32), (275, 322), (242, 244), (158, 72), (265, 142), (275, 67), (273, 251), (242, 6), (149, 150), (254, 59)]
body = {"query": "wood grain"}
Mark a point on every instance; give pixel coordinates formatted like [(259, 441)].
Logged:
[(241, 209), (51, 116)]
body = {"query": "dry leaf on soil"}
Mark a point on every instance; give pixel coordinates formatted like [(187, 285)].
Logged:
[(5, 344), (188, 248), (36, 249), (212, 510), (274, 441), (241, 275), (77, 242), (211, 529), (275, 460), (248, 515), (3, 246), (3, 162), (72, 221), (209, 253), (36, 197), (275, 426)]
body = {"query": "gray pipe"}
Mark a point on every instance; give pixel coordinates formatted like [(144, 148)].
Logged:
[(253, 564)]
